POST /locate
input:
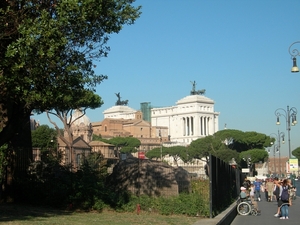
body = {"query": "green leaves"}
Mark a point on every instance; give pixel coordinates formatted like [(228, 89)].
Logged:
[(296, 153), (54, 45), (44, 137), (125, 144), (256, 155), (228, 144), (203, 146)]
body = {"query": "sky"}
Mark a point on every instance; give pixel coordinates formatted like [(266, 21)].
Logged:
[(236, 50)]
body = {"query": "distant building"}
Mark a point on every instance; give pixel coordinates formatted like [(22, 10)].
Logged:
[(120, 112), (278, 165), (130, 125), (80, 149), (146, 110), (191, 118), (275, 166)]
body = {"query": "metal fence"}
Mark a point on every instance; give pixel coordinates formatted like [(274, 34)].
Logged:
[(225, 181), (154, 178)]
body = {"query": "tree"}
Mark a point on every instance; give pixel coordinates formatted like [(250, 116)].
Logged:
[(241, 141), (3, 162), (227, 155), (177, 153), (296, 153), (67, 119), (250, 157), (44, 137), (52, 43), (125, 145), (256, 155), (47, 48), (97, 137), (228, 144), (154, 153), (202, 147), (158, 153)]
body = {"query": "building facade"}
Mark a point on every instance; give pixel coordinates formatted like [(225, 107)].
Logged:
[(191, 118), (275, 166), (278, 165), (120, 112), (132, 125)]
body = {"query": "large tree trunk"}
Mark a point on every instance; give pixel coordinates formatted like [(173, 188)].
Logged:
[(17, 134)]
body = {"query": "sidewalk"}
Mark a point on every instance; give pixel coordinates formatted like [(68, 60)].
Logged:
[(268, 209)]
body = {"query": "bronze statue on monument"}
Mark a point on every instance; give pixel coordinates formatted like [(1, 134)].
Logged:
[(194, 92), (119, 102)]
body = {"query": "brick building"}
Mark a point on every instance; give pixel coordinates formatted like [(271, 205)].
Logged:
[(273, 166)]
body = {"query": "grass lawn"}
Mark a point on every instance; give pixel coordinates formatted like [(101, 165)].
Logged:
[(11, 214)]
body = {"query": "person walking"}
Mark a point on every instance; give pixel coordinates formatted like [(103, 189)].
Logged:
[(252, 191), (257, 185), (284, 200), (270, 189), (291, 194), (263, 189), (277, 192)]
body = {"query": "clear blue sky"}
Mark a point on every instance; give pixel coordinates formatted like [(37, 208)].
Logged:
[(236, 50)]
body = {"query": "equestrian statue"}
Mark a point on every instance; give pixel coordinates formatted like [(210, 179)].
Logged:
[(119, 102)]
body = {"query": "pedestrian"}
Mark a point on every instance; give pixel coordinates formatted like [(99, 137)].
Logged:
[(276, 193), (291, 194), (284, 200), (252, 190), (263, 189), (270, 189), (257, 185)]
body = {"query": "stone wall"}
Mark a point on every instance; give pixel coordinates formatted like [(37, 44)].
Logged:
[(148, 177)]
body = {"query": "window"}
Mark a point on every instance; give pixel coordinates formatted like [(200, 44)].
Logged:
[(78, 160)]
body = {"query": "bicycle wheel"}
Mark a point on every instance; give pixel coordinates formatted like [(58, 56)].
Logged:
[(244, 208)]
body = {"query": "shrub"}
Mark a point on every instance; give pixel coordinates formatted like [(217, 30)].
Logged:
[(54, 185), (185, 204)]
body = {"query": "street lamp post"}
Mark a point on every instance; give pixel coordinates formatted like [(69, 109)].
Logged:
[(290, 118), (275, 146), (275, 149), (249, 164), (161, 151), (161, 145), (278, 136), (268, 150), (294, 53)]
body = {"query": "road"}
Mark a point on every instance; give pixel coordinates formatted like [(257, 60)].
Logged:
[(268, 209)]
